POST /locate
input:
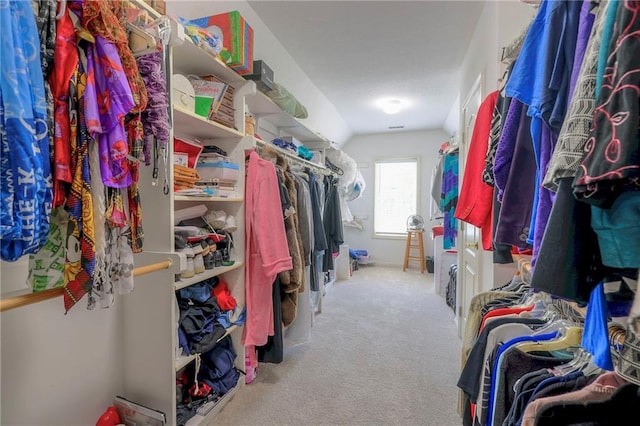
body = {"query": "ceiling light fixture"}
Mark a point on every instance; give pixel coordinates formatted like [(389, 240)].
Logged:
[(391, 106)]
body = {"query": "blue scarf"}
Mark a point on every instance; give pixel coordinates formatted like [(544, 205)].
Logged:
[(25, 170)]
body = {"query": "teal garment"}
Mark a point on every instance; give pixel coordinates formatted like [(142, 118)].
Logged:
[(618, 231), (607, 31), (449, 199)]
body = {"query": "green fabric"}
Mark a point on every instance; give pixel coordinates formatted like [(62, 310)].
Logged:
[(287, 102), (46, 267)]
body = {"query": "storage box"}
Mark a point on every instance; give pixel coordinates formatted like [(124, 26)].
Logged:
[(218, 170), (262, 75), (236, 35), (183, 93), (209, 94)]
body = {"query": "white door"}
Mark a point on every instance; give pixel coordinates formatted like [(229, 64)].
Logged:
[(469, 264)]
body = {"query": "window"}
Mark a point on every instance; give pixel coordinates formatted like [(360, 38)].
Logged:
[(396, 195)]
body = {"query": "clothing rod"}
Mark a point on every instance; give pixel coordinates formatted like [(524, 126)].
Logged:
[(41, 296), (293, 158)]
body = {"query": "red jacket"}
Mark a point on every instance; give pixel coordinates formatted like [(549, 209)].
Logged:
[(475, 203)]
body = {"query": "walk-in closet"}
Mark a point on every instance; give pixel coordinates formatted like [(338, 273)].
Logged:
[(319, 213)]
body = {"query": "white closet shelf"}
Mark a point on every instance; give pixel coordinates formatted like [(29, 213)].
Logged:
[(184, 360), (191, 59), (260, 105), (209, 273), (199, 420), (290, 154), (200, 199), (194, 125)]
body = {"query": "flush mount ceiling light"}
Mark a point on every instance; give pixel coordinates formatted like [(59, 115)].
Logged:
[(391, 106)]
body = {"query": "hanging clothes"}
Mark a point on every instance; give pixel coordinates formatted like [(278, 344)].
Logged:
[(476, 196), (292, 280), (575, 129), (66, 58), (79, 203), (610, 166), (450, 199), (46, 22), (319, 237), (267, 251), (25, 172), (332, 219), (514, 173)]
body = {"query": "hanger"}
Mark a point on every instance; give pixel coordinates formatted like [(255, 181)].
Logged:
[(63, 9), (140, 41), (582, 361), (572, 336), (335, 169)]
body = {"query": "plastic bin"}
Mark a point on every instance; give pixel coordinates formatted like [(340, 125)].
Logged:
[(215, 171)]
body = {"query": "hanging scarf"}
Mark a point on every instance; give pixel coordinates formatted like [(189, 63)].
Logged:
[(66, 59), (45, 12), (105, 18), (118, 252), (79, 204), (102, 285), (136, 142), (156, 118), (46, 267), (111, 100), (25, 174)]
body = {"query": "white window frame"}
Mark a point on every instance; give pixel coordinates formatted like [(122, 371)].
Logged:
[(416, 160)]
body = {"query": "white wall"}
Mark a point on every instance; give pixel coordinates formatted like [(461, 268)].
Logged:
[(59, 369), (323, 117), (365, 149)]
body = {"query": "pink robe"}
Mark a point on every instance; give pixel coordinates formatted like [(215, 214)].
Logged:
[(266, 248)]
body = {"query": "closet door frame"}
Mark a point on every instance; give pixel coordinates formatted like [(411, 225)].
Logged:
[(468, 241)]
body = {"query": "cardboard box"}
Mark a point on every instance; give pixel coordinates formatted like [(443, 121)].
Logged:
[(236, 35), (262, 75)]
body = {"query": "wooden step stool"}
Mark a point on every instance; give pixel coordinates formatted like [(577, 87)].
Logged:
[(414, 241)]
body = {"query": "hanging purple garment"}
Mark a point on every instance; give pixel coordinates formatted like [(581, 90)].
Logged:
[(449, 199), (506, 146), (519, 188), (108, 100)]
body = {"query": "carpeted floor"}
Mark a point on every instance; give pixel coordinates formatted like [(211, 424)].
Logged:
[(384, 351)]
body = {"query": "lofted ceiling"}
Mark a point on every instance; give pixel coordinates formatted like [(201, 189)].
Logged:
[(357, 52)]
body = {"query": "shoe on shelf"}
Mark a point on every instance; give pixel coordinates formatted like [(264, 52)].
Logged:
[(198, 262), (209, 261), (190, 271)]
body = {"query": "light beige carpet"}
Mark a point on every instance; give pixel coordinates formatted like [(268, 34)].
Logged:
[(384, 351)]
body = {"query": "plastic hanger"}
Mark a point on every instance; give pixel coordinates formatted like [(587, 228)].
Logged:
[(571, 337), (141, 42), (583, 361), (63, 9)]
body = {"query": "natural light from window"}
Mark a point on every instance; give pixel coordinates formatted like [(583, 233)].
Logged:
[(396, 195)]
